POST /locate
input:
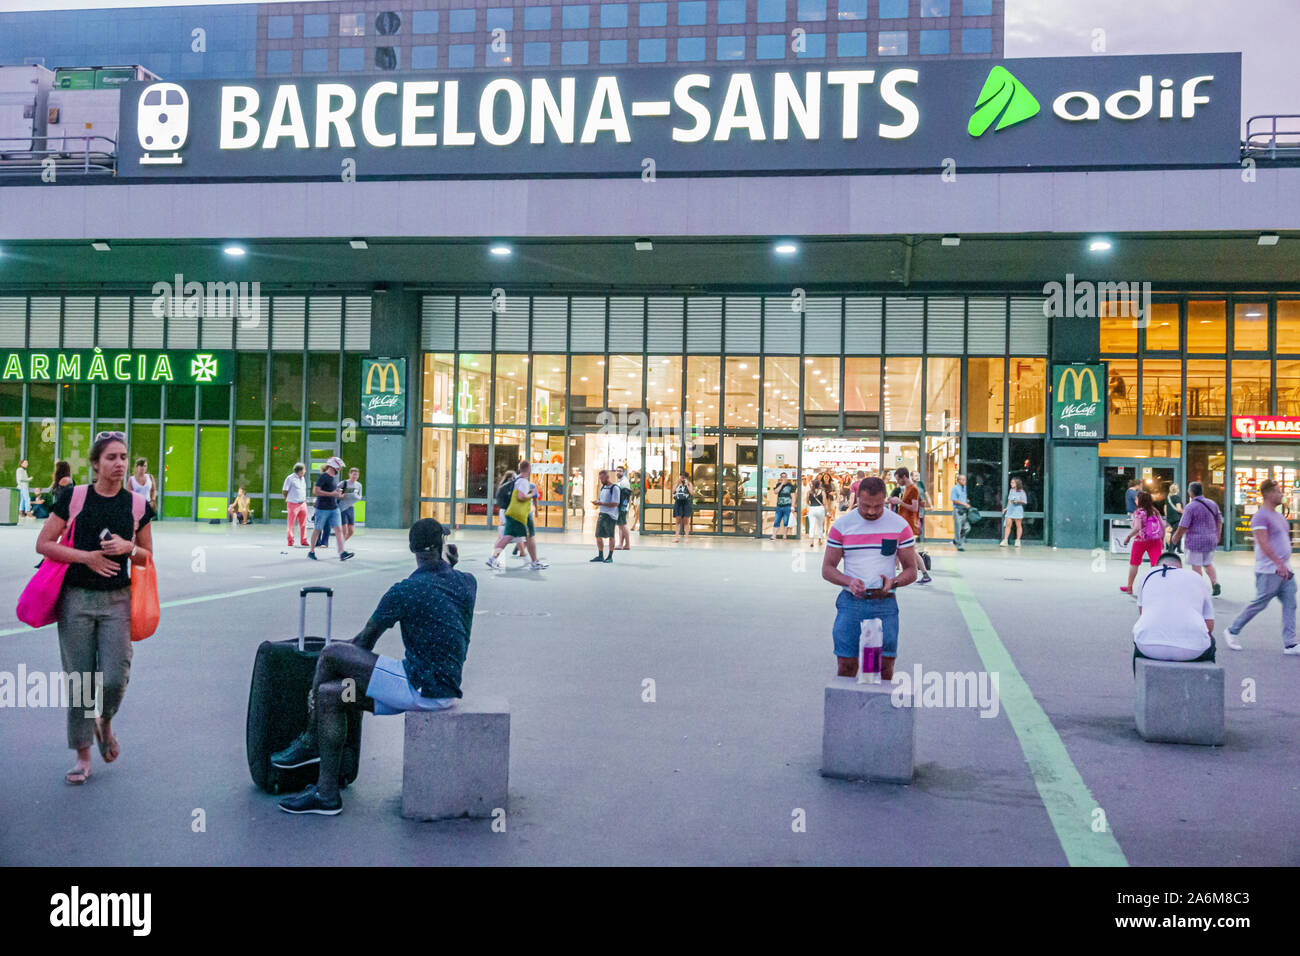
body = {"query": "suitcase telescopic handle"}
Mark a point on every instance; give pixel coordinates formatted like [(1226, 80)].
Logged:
[(302, 614)]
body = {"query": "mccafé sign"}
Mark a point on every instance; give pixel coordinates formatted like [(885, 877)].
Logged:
[(383, 394), (1079, 405), (1265, 427), (835, 116)]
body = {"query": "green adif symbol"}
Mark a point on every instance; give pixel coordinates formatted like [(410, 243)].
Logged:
[(1003, 98)]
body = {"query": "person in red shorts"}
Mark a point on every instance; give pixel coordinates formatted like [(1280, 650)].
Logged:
[(1148, 537)]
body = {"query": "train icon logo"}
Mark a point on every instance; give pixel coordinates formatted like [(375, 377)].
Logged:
[(162, 122)]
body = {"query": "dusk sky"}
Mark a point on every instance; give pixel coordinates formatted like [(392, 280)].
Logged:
[(1264, 31)]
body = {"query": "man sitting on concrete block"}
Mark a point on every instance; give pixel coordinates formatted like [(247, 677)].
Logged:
[(1176, 618), (435, 606)]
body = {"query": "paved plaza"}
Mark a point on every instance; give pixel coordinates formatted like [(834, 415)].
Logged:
[(736, 638)]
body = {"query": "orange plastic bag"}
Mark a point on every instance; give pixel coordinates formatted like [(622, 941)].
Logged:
[(145, 610)]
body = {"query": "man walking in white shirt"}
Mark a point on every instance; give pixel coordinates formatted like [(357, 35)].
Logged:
[(295, 496)]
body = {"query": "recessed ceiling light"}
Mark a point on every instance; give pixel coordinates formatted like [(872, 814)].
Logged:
[(234, 250), (643, 245), (786, 248), (1268, 238), (1099, 245), (358, 244), (1253, 315), (100, 246), (500, 250)]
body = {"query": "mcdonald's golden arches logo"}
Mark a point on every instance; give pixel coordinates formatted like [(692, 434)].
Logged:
[(1078, 375), (383, 371)]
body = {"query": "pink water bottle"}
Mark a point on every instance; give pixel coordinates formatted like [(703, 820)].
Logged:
[(871, 640)]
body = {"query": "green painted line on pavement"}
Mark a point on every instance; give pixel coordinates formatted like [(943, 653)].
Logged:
[(1069, 802), (223, 595)]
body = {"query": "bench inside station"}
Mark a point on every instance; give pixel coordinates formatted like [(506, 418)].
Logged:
[(456, 762), (1179, 702)]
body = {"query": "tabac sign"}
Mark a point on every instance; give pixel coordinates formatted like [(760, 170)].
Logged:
[(1265, 427), (383, 394), (1079, 402), (118, 366), (954, 115)]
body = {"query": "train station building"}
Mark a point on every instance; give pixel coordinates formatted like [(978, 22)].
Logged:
[(1066, 271)]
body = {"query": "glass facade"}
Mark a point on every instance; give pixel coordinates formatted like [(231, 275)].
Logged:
[(1174, 386), (297, 386), (288, 39), (734, 391)]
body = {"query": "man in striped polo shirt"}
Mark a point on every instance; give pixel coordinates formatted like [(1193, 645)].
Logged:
[(873, 543)]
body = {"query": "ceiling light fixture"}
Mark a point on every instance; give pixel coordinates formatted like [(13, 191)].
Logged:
[(1268, 238), (1099, 245), (358, 244), (500, 250), (100, 246), (234, 250), (786, 248), (951, 240), (643, 245)]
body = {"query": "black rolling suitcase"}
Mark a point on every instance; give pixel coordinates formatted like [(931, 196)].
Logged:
[(277, 706)]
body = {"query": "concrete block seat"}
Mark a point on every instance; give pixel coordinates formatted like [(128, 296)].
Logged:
[(456, 762), (1179, 702), (864, 736)]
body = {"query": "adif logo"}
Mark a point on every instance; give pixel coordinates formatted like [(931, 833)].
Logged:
[(74, 909), (1089, 106), (162, 122), (1003, 98)]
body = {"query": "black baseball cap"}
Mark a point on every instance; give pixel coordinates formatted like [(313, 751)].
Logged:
[(426, 535)]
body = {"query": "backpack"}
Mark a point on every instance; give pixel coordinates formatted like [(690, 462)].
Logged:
[(503, 495), (1151, 526)]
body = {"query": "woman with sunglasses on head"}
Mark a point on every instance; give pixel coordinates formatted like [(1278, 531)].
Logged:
[(95, 604)]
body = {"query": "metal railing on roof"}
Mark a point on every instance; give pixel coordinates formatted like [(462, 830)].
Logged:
[(86, 154), (1276, 136)]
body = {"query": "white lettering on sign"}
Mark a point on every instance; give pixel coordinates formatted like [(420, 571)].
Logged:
[(1089, 105), (549, 108)]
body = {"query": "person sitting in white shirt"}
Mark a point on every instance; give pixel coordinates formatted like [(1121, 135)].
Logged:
[(1175, 616)]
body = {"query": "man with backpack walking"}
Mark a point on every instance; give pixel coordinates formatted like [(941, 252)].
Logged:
[(1202, 522), (519, 520)]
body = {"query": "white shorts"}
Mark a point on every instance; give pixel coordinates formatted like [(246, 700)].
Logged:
[(1200, 558), (392, 692)]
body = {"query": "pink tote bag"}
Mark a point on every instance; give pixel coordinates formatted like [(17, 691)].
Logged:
[(38, 605)]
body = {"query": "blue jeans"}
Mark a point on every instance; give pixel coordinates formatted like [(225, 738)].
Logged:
[(852, 611), (1267, 587), (24, 501), (782, 516)]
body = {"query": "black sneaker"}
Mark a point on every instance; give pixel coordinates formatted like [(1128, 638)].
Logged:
[(1216, 591), (310, 802), (925, 580), (597, 559), (297, 754), (347, 554), (610, 559), (312, 555)]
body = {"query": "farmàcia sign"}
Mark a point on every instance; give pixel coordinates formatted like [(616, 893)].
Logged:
[(1098, 112), (117, 367)]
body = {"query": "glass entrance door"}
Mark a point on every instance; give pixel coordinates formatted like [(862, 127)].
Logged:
[(1152, 475), (738, 508)]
